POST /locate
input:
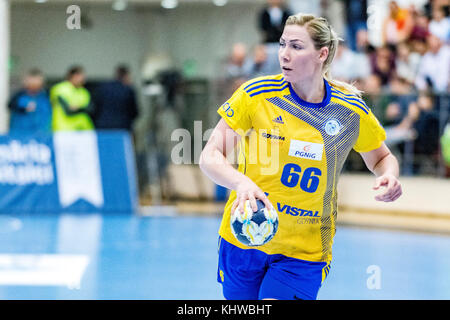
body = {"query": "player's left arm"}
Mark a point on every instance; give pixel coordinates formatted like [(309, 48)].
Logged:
[(385, 167)]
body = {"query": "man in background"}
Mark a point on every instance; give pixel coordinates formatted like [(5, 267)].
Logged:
[(115, 102), (272, 19), (30, 106), (72, 105)]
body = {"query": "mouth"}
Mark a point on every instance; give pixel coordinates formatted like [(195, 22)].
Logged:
[(286, 69)]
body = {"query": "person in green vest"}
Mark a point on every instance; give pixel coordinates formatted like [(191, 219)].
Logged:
[(71, 102), (445, 146)]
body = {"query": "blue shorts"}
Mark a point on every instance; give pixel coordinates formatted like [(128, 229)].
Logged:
[(251, 274)]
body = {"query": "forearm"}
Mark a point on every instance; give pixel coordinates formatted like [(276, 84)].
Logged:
[(387, 165), (215, 165)]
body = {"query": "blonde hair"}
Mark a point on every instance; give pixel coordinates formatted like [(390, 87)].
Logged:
[(323, 35)]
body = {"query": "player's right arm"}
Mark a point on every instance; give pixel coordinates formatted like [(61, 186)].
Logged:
[(213, 162)]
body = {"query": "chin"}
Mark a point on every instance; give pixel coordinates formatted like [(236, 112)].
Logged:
[(288, 77)]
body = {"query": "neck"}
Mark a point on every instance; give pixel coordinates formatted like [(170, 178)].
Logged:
[(311, 89)]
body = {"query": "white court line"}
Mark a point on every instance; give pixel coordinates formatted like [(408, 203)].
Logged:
[(42, 269)]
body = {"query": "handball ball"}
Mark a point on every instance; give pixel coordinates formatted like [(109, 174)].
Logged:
[(254, 228)]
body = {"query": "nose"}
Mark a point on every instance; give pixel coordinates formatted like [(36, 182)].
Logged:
[(284, 54)]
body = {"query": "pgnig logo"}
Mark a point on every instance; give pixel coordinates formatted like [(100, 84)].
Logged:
[(228, 110)]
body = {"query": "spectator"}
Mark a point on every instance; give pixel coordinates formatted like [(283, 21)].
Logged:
[(375, 96), (419, 30), (356, 20), (350, 66), (401, 95), (383, 64), (115, 102), (234, 67), (419, 46), (30, 107), (272, 19), (406, 62), (71, 102), (445, 146), (426, 125), (261, 63), (362, 42), (397, 26), (440, 23), (434, 68)]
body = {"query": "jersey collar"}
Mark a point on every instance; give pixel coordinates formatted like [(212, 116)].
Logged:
[(304, 103)]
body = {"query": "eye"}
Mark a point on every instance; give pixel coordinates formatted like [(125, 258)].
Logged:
[(282, 44), (297, 47)]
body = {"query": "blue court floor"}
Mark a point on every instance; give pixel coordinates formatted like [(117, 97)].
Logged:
[(130, 257)]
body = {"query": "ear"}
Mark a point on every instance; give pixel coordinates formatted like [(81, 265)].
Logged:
[(323, 54)]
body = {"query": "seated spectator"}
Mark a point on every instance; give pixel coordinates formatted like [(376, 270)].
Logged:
[(419, 30), (419, 46), (363, 44), (348, 65), (440, 23), (421, 123), (375, 96), (406, 62), (400, 86), (261, 63), (71, 102), (433, 72), (30, 107), (426, 124), (234, 67), (115, 102), (397, 26), (383, 64), (401, 95)]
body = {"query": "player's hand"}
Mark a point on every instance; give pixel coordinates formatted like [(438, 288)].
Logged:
[(393, 188), (248, 190)]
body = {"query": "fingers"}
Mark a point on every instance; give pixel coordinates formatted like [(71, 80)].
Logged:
[(262, 196), (251, 196), (241, 202), (393, 191), (390, 196), (381, 181), (252, 200)]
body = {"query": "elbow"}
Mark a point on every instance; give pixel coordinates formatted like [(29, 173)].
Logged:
[(202, 161)]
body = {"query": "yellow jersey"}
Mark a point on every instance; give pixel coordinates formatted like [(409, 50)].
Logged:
[(294, 151)]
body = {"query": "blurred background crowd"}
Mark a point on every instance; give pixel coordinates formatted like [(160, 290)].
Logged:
[(402, 66)]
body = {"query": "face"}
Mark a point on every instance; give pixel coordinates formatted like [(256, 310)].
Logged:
[(298, 57), (403, 50), (434, 43), (78, 79), (438, 14), (275, 3), (34, 83)]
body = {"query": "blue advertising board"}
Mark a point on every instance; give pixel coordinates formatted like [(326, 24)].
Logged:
[(85, 171)]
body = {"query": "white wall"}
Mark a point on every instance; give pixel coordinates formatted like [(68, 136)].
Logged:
[(39, 36), (203, 33), (4, 54)]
